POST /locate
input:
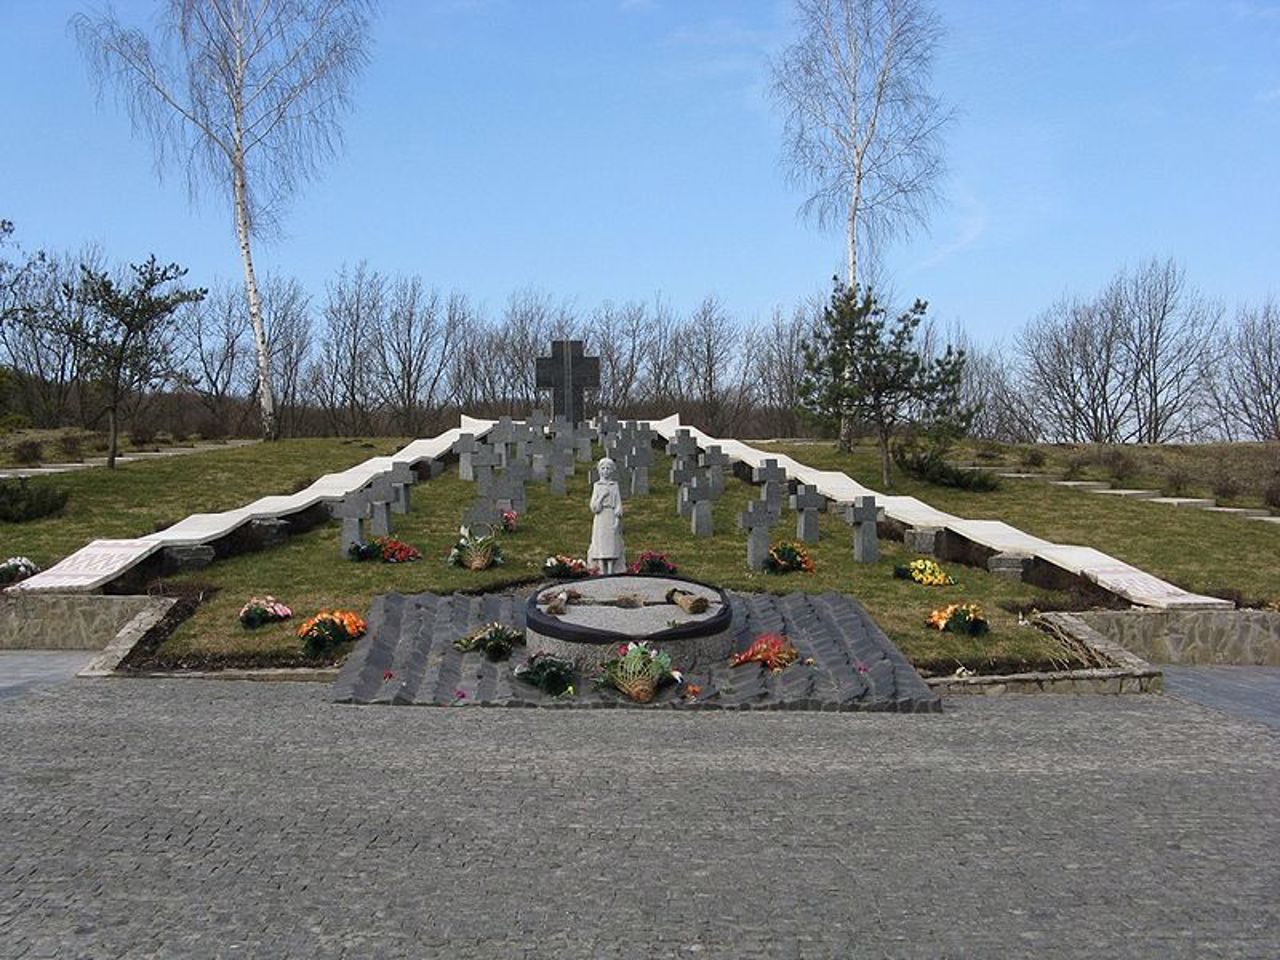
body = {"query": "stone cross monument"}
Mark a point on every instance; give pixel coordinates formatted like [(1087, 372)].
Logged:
[(568, 375)]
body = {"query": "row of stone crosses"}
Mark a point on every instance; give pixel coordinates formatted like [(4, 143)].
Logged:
[(514, 454)]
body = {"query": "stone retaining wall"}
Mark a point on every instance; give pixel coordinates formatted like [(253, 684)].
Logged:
[(1126, 673), (1193, 637), (64, 621)]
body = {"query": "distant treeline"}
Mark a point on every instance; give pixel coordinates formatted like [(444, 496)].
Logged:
[(1148, 359)]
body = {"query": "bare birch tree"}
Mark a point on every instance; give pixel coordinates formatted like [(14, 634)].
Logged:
[(244, 93), (863, 131)]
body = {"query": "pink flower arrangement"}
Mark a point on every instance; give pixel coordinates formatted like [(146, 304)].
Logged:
[(260, 610)]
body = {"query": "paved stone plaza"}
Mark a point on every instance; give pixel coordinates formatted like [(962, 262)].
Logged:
[(192, 818)]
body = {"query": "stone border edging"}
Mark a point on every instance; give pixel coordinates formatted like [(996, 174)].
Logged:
[(263, 674), (105, 663), (1131, 674)]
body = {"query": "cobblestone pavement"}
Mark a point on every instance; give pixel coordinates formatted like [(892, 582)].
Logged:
[(192, 818), (1249, 692), (23, 670)]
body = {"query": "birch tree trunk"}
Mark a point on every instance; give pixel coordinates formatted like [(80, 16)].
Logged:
[(266, 391)]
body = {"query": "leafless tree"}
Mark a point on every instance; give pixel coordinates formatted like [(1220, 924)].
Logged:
[(343, 377), (216, 332), (774, 353), (991, 387), (1076, 371), (246, 93), (286, 310), (712, 384), (863, 130), (659, 373), (47, 363), (414, 350), (619, 335), (1170, 332), (1247, 390)]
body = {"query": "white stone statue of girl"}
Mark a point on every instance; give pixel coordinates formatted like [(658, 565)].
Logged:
[(607, 550)]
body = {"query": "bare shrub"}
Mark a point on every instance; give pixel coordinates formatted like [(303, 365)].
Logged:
[(1120, 465), (27, 452), (1177, 482)]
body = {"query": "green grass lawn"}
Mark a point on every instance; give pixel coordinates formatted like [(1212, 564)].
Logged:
[(1192, 548), (148, 495), (1235, 474), (1204, 552), (309, 574)]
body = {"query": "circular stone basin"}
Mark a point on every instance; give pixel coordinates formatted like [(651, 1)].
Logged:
[(586, 620)]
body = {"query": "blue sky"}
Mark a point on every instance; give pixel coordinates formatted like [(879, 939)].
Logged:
[(625, 148)]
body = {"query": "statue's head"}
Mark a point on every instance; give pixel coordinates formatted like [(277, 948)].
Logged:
[(607, 468)]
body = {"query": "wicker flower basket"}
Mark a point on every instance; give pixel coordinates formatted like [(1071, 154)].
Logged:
[(638, 683)]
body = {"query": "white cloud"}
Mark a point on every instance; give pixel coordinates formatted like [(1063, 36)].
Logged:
[(971, 224)]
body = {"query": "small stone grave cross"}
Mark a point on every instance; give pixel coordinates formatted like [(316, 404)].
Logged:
[(483, 512), (756, 520), (538, 452), (608, 426), (402, 477), (681, 474), (500, 438), (522, 434), (353, 510), (863, 515), (464, 447), (683, 447), (639, 460), (568, 374), (561, 466), (380, 497), (715, 460), (482, 463), (807, 502), (584, 436), (509, 486), (701, 496), (774, 479)]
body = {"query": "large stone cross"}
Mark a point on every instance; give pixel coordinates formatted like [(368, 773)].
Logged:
[(568, 375)]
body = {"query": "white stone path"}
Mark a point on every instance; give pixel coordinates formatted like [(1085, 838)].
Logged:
[(103, 560), (45, 469)]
